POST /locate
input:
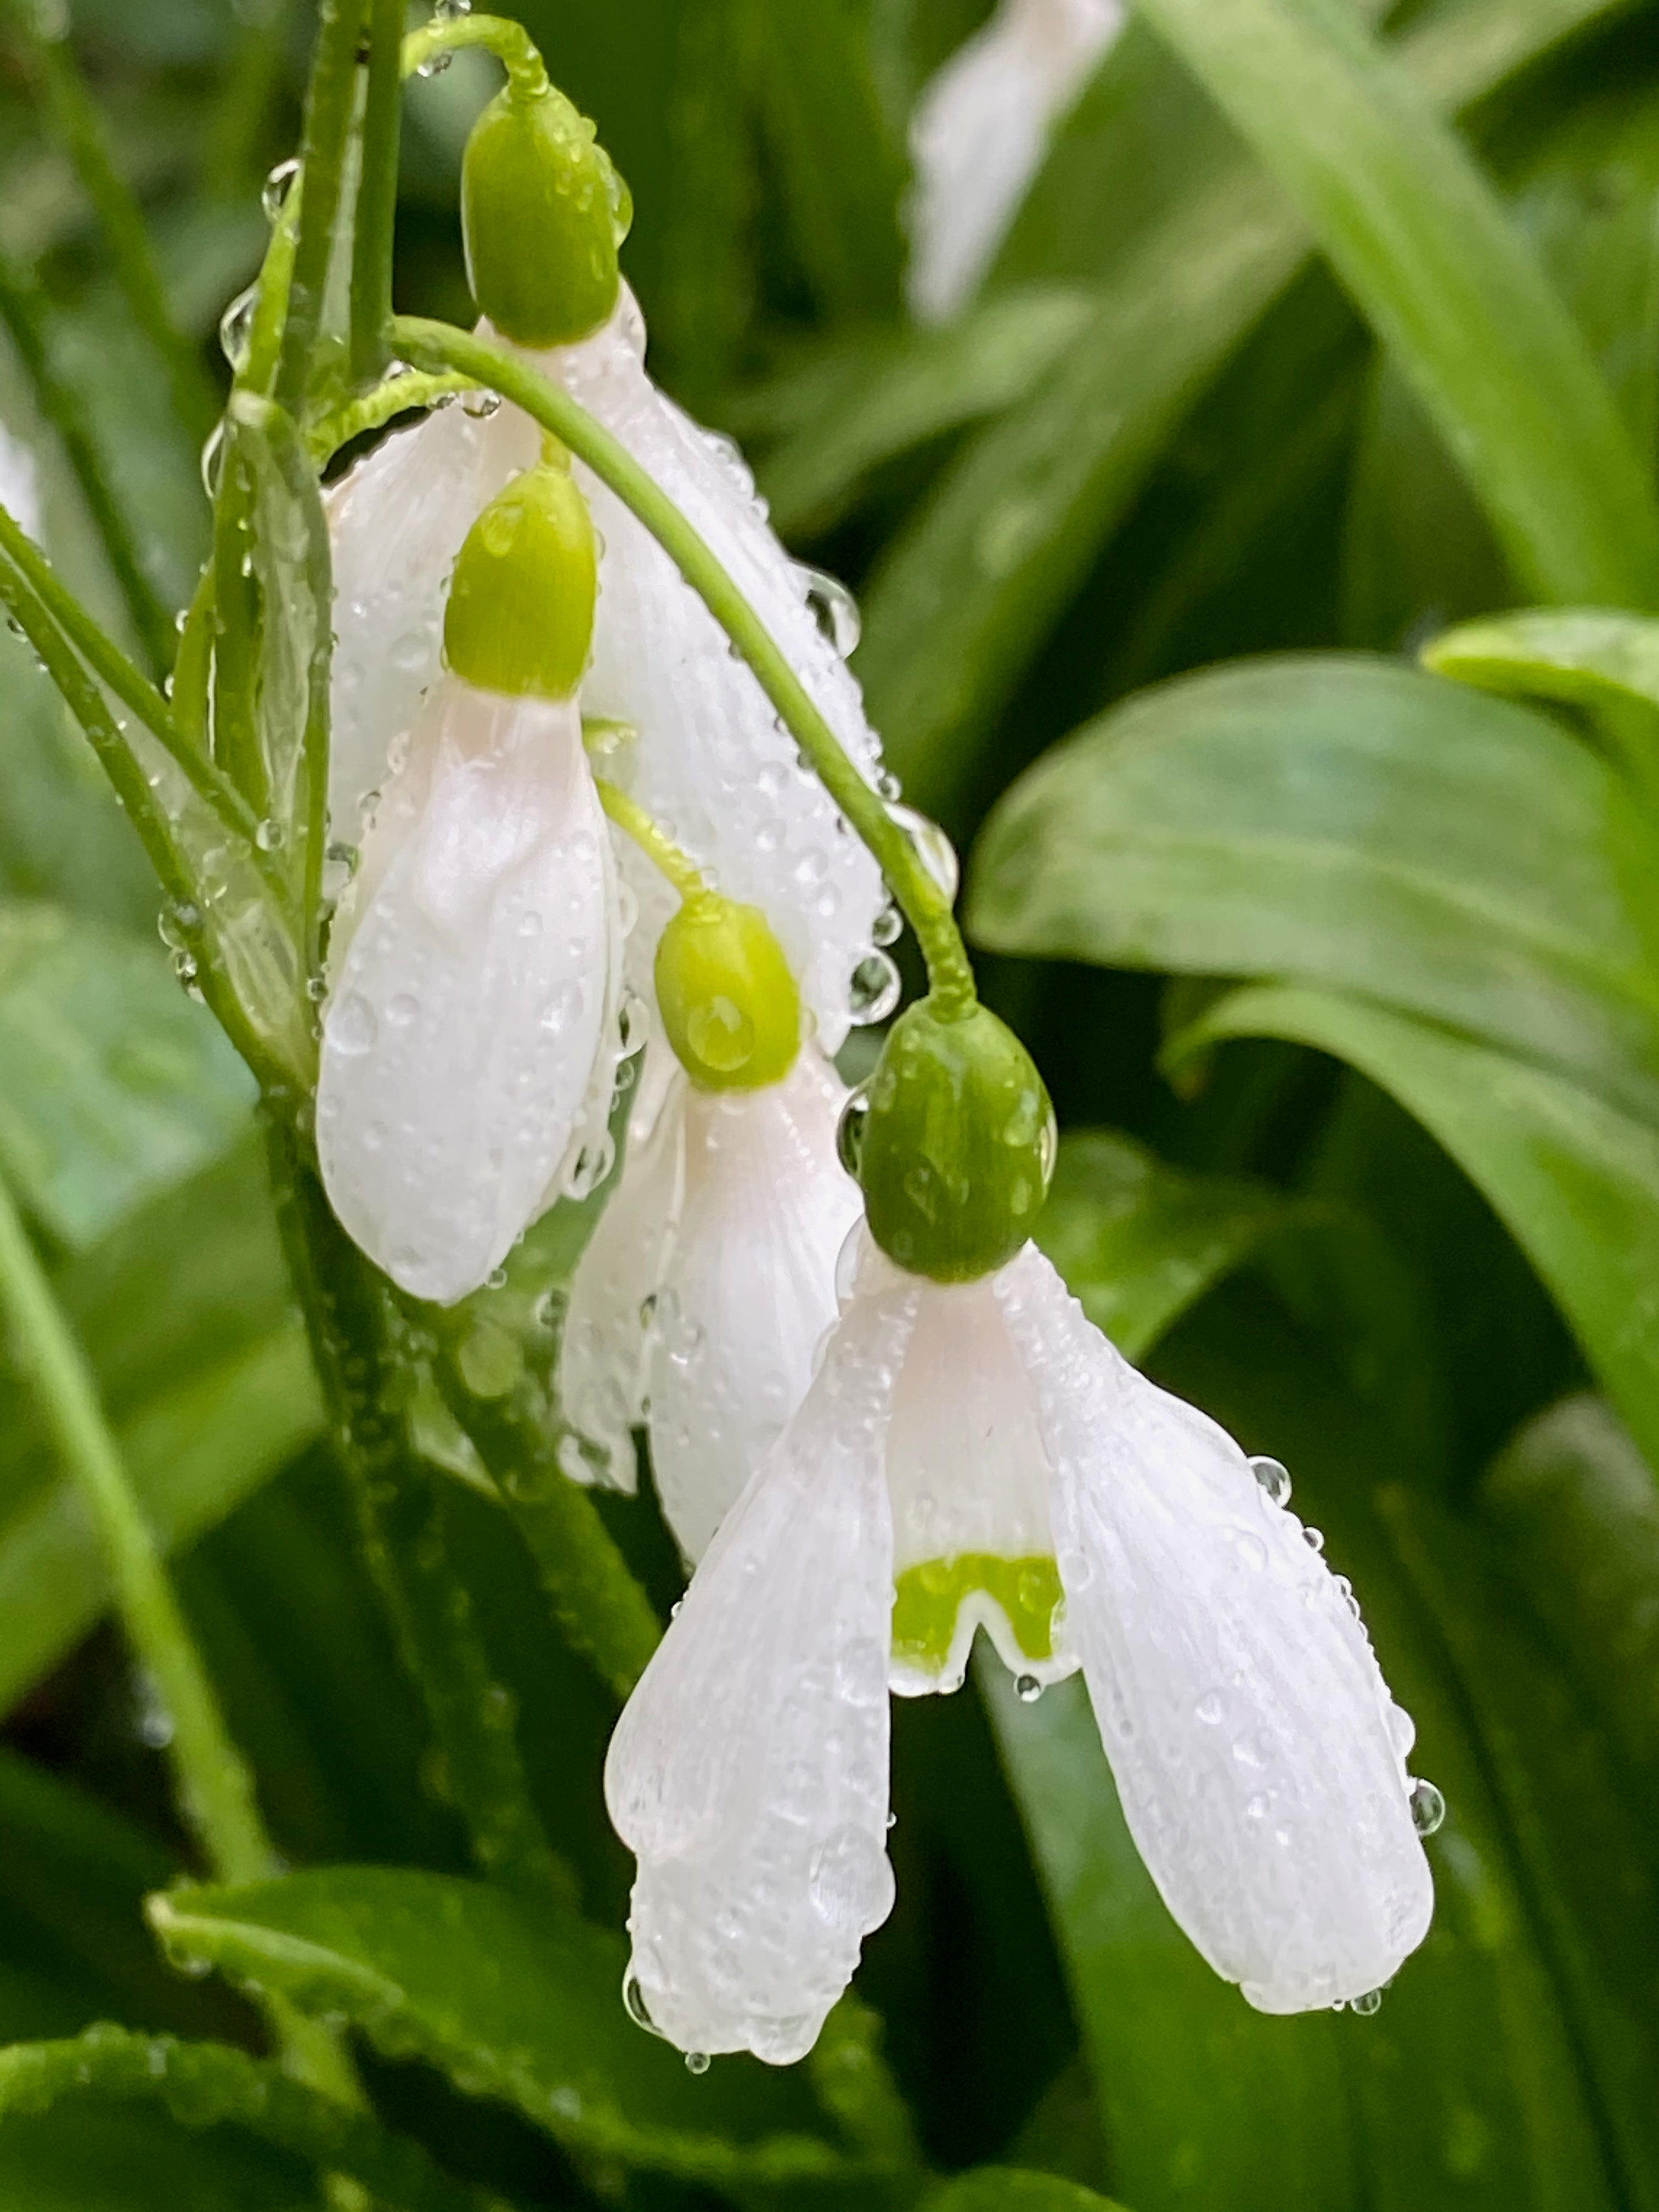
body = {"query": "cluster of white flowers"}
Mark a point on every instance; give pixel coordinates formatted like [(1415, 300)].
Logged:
[(867, 1461)]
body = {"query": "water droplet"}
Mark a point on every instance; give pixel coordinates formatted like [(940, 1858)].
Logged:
[(351, 1027), (269, 836), (236, 328), (273, 196), (1314, 1539), (1275, 1479), (450, 11), (1027, 1689), (1210, 1708), (849, 1130), (874, 990), (1428, 1808), (634, 1026), (834, 609), (1371, 2001), (481, 406), (634, 1999), (402, 1010), (933, 849), (435, 65), (696, 2062), (213, 460), (888, 926)]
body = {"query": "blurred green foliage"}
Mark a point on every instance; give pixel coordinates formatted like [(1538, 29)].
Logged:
[(1344, 978)]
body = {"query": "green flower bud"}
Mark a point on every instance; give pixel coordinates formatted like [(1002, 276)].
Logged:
[(955, 1144), (520, 612), (543, 212), (727, 999)]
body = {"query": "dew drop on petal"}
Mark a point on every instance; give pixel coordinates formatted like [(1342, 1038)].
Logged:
[(874, 990), (696, 2062), (849, 1130), (933, 849), (351, 1027), (1027, 1689), (889, 926), (1314, 1539), (1275, 1479), (834, 609), (1428, 1808), (1371, 2002)]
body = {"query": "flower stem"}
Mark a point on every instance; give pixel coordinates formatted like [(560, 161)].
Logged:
[(399, 395), (377, 192), (510, 43), (438, 346), (23, 312), (631, 818), (330, 98), (81, 129)]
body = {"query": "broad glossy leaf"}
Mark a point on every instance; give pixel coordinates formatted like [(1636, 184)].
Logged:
[(963, 597), (185, 1312), (1004, 2189), (1347, 821), (516, 2002), (112, 1083), (1576, 1180), (1138, 1241), (1581, 656)]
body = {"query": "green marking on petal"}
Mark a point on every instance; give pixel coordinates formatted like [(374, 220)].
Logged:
[(927, 1599)]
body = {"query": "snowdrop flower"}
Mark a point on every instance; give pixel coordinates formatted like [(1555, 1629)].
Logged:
[(978, 134), (974, 1453), (709, 760), (19, 489), (470, 1039), (709, 1282)]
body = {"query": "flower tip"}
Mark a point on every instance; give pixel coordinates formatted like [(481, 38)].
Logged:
[(542, 214)]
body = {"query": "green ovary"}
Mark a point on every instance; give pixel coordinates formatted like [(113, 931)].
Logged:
[(927, 1598)]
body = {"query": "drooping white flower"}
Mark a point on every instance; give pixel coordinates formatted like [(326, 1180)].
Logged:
[(469, 1044), (709, 760), (979, 131), (471, 1036), (708, 1284), (1021, 1476), (20, 492)]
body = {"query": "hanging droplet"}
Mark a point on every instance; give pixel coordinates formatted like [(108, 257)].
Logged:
[(450, 11), (1275, 1479), (213, 460), (269, 836), (435, 65), (273, 196), (236, 328), (834, 609), (696, 2062), (1371, 2002), (888, 926), (634, 1999), (889, 787), (480, 405), (634, 1026), (874, 990), (1314, 1539), (1028, 1689), (849, 1130), (1428, 1808), (933, 849)]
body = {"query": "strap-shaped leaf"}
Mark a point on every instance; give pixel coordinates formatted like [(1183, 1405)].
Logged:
[(962, 600), (1004, 2189), (1576, 1180), (1348, 822), (1581, 656), (519, 2004)]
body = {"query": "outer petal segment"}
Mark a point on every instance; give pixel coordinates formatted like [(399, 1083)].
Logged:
[(748, 1772), (749, 1288), (1240, 1703), (469, 1041)]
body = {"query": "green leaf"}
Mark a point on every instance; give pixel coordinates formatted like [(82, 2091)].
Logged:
[(1003, 2189), (863, 399), (962, 598), (1576, 1180), (1138, 1241), (185, 1312), (1420, 241), (518, 2004), (93, 2158), (112, 1083), (1577, 656), (209, 2085), (1352, 824)]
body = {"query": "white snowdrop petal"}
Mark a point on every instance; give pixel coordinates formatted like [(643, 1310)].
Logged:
[(396, 522), (604, 1353), (711, 763), (978, 134), (748, 1772), (1239, 1700), (968, 1478), (468, 1040), (20, 492), (749, 1288)]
